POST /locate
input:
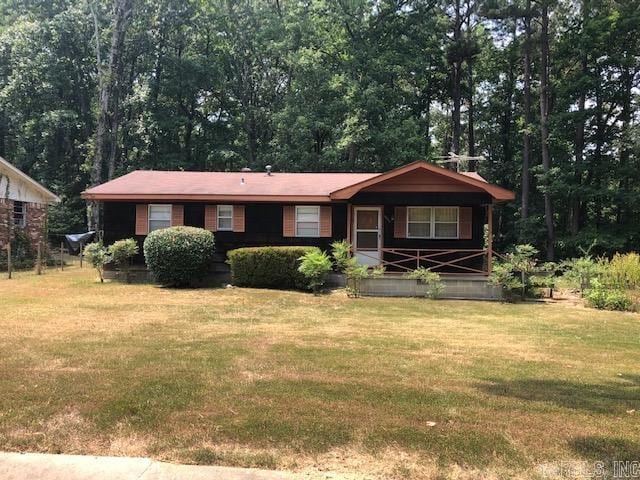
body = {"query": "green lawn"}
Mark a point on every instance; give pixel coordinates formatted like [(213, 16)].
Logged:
[(313, 384)]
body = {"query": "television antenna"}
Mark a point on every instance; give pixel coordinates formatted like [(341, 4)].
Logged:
[(458, 159)]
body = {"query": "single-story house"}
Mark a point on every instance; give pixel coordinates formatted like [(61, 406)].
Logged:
[(23, 205), (418, 214)]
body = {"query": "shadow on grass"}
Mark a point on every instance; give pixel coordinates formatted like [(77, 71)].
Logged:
[(613, 397), (606, 449)]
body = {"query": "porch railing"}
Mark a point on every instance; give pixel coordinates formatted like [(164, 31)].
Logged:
[(447, 261)]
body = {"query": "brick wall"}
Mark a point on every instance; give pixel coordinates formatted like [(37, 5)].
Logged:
[(36, 222)]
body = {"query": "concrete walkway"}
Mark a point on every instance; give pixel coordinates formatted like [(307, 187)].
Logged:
[(39, 466)]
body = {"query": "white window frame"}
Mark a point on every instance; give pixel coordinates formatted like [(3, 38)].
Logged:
[(218, 217), (149, 219), (23, 221), (317, 207), (432, 223)]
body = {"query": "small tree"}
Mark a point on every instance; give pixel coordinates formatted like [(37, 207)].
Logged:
[(98, 257), (341, 253), (315, 265), (122, 252), (517, 273)]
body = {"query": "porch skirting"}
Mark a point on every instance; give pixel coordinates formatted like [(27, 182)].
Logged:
[(462, 287)]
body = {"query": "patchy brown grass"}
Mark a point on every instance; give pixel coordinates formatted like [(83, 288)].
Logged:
[(366, 388)]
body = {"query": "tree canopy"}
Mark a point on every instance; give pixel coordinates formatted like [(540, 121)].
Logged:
[(545, 90)]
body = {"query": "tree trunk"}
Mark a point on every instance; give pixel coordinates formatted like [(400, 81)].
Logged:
[(470, 126), (625, 118), (107, 83), (526, 137), (579, 143), (544, 127), (456, 75)]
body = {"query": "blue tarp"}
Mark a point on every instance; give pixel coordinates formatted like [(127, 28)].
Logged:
[(75, 240)]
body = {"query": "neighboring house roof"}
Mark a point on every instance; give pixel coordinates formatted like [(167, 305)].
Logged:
[(259, 186), (17, 180)]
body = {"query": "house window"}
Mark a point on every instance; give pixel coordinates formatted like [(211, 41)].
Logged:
[(19, 214), (159, 217), (307, 221), (445, 222), (225, 217), (432, 222), (419, 222)]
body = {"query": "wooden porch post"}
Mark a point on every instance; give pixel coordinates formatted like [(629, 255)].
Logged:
[(348, 223), (489, 237)]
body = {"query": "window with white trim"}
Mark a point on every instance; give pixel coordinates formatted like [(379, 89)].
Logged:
[(159, 217), (225, 217), (307, 221), (19, 214), (433, 222)]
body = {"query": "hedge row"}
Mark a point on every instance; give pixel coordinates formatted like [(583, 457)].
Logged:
[(268, 267)]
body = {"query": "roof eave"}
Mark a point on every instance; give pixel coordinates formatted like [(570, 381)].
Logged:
[(123, 197), (497, 193)]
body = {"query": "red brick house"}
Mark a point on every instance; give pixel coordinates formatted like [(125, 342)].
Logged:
[(416, 215), (23, 204)]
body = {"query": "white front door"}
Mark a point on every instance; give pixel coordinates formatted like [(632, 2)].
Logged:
[(367, 229)]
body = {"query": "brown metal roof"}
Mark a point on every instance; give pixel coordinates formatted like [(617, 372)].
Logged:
[(243, 186)]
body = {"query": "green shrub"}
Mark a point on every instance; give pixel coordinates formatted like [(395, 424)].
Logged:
[(605, 299), (623, 271), (579, 272), (355, 272), (121, 253), (341, 253), (98, 257), (519, 273), (431, 279), (179, 256), (315, 265), (268, 267)]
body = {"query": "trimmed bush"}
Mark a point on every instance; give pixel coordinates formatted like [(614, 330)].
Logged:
[(121, 253), (179, 256), (269, 267)]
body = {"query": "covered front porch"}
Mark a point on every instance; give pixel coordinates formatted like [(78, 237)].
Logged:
[(422, 215), (451, 240)]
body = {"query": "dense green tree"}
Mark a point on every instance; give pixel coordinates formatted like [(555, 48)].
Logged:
[(546, 91)]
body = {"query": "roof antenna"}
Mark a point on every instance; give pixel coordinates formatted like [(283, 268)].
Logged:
[(268, 167), (457, 160)]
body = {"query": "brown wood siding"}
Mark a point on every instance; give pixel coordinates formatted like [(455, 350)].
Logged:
[(325, 221), (238, 218), (288, 221), (400, 222), (211, 217), (142, 219), (177, 215), (466, 223)]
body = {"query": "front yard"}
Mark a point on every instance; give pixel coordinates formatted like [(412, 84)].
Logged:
[(389, 388)]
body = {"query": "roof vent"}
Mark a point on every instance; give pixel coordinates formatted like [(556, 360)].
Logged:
[(242, 181), (245, 169), (268, 167)]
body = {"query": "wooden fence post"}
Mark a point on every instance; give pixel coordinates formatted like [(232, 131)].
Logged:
[(81, 253), (39, 259), (9, 266), (61, 256)]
